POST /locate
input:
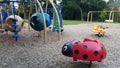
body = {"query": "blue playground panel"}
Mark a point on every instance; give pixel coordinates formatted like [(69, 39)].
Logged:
[(4, 16), (3, 5), (14, 0), (23, 1), (49, 10), (55, 25)]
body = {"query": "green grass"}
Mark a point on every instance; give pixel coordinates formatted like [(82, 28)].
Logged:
[(72, 22), (66, 22)]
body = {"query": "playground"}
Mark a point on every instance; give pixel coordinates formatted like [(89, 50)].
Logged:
[(40, 40), (31, 52)]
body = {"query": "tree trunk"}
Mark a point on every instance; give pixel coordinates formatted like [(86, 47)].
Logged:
[(81, 13), (24, 11)]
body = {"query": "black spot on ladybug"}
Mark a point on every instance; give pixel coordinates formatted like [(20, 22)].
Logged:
[(76, 43), (85, 56), (95, 53), (85, 46), (101, 56), (102, 48), (76, 51)]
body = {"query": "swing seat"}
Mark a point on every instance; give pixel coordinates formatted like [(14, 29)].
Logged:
[(36, 21), (108, 21), (10, 22)]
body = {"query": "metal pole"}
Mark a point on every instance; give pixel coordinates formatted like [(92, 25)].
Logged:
[(19, 10), (31, 6), (91, 17), (1, 18), (36, 8), (11, 8), (110, 16), (88, 17), (45, 31), (113, 16), (46, 6), (24, 11), (59, 32)]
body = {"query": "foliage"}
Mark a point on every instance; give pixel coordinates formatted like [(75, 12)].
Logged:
[(103, 15), (115, 7), (71, 9), (65, 22), (71, 12), (78, 9)]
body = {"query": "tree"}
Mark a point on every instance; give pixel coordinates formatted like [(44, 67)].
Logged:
[(103, 15), (84, 6)]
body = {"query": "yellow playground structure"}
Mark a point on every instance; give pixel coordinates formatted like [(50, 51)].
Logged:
[(100, 30)]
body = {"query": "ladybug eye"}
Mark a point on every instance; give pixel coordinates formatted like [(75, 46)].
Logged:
[(65, 48)]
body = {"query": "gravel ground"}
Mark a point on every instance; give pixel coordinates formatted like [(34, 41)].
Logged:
[(31, 52)]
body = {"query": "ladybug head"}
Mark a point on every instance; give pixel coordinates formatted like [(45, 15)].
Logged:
[(67, 49)]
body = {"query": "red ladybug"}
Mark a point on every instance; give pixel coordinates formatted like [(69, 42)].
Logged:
[(88, 50)]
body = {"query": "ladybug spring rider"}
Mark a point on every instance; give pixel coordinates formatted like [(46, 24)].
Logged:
[(88, 50)]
